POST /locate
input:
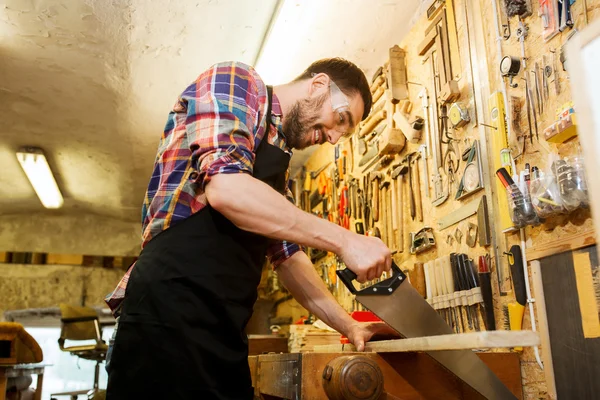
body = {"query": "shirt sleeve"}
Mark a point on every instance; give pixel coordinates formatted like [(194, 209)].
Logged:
[(223, 106), (280, 250)]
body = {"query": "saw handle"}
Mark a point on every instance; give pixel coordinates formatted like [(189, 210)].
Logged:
[(348, 277)]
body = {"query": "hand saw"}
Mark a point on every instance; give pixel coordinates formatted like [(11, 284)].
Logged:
[(396, 302)]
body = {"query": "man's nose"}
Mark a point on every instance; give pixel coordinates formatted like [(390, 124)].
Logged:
[(333, 136)]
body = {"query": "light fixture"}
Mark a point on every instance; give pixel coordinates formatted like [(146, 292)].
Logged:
[(38, 171)]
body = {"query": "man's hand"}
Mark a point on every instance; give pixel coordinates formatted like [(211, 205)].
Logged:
[(366, 256), (362, 332)]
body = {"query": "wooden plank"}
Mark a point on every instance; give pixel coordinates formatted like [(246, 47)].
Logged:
[(560, 245), (587, 298), (542, 318), (461, 341), (576, 359)]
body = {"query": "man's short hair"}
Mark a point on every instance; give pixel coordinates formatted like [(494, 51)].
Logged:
[(349, 78)]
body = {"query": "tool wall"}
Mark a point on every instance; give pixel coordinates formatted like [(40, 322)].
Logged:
[(470, 151)]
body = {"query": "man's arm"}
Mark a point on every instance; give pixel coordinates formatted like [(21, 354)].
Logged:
[(298, 275), (254, 206)]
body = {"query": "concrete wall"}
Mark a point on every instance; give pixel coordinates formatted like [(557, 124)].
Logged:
[(69, 234), (40, 286)]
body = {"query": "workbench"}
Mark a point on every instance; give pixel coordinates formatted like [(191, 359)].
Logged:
[(406, 376), (390, 369)]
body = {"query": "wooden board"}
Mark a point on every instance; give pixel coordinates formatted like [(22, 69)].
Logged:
[(562, 244), (463, 341), (576, 360)]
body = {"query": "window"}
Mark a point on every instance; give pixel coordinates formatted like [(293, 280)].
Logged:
[(65, 372)]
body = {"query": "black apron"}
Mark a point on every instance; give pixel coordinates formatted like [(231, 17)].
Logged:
[(187, 302)]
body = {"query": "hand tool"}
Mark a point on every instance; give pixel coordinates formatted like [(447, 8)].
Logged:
[(370, 154), (383, 162), (353, 187), (408, 129), (457, 290), (380, 80), (460, 214), (377, 74), (522, 8), (439, 196), (388, 221), (344, 220), (449, 290), (424, 96), (400, 171), (441, 290), (472, 177), (540, 106), (546, 71), (416, 318), (396, 74), (463, 286), (531, 102), (393, 138), (425, 174), (378, 93), (566, 21), (486, 292), (555, 71), (371, 122), (394, 207), (374, 178), (528, 104), (516, 310), (471, 234), (407, 160), (538, 85), (418, 200), (510, 67), (383, 189), (474, 291), (421, 240), (359, 225)]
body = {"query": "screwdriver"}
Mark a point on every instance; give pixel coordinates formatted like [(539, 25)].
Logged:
[(449, 292), (457, 288), (475, 297), (442, 292), (431, 284), (464, 287)]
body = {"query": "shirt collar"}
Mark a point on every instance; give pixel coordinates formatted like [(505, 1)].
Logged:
[(276, 106)]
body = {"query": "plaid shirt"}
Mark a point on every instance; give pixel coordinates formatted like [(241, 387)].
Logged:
[(214, 128)]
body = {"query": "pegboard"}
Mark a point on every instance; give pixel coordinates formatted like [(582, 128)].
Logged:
[(475, 44)]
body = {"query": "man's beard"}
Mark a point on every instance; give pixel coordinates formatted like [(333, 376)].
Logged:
[(299, 121)]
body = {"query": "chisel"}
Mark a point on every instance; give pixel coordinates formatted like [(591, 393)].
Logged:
[(486, 292)]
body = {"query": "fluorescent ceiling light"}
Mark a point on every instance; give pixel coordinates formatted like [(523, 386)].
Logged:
[(287, 24), (38, 171)]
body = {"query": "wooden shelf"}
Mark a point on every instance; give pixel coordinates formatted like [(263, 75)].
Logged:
[(567, 243)]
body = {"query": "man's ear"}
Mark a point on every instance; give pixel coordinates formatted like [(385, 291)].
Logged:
[(318, 84)]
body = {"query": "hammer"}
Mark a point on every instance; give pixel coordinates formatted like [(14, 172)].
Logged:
[(408, 160), (383, 187), (375, 177), (399, 171)]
